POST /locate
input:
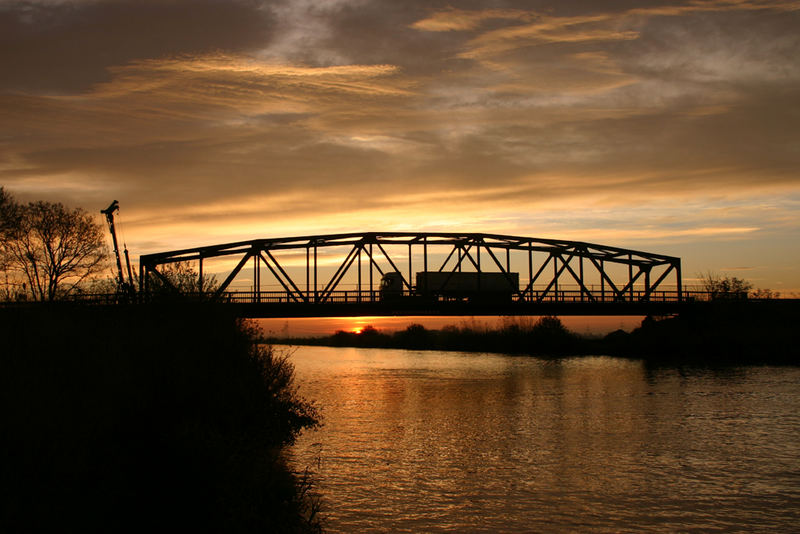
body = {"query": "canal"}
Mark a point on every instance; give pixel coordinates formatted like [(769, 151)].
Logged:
[(424, 441)]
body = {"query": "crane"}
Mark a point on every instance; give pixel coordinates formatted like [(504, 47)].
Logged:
[(109, 213)]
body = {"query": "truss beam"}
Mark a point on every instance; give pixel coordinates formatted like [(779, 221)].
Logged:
[(625, 274)]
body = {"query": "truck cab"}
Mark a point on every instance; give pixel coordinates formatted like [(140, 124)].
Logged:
[(391, 286)]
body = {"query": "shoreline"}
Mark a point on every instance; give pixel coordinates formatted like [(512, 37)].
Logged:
[(729, 335)]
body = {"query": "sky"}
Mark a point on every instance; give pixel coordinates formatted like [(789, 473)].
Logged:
[(670, 127)]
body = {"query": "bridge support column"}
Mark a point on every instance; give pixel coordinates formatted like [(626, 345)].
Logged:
[(530, 269), (371, 270), (630, 277), (555, 274), (410, 271), (478, 254), (256, 278), (316, 293), (602, 281)]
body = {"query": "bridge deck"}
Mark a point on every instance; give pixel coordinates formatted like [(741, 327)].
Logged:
[(278, 304), (283, 306)]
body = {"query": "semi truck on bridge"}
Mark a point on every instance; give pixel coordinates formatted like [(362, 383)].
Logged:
[(453, 285)]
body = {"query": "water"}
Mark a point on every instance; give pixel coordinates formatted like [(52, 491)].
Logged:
[(420, 441)]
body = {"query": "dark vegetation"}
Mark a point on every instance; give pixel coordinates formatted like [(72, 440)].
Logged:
[(710, 333), (146, 418), (547, 336), (717, 333)]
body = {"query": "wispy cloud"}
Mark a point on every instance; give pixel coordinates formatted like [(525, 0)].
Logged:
[(668, 123), (452, 19)]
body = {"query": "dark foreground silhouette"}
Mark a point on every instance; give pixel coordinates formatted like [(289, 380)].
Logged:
[(712, 334), (145, 419)]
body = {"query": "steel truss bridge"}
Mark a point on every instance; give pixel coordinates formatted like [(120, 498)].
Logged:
[(340, 275)]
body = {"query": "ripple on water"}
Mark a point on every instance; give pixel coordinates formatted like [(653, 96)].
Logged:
[(451, 442)]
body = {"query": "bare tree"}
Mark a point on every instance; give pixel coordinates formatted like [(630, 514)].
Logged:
[(55, 249), (181, 278), (765, 293), (9, 221), (9, 214), (725, 287)]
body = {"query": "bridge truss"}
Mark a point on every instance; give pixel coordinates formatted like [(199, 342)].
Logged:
[(342, 268)]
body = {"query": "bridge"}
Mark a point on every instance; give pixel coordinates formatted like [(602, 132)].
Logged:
[(393, 273)]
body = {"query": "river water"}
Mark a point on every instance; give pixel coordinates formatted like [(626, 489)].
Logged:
[(424, 441)]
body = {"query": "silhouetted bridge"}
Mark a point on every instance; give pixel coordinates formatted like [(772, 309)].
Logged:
[(416, 273)]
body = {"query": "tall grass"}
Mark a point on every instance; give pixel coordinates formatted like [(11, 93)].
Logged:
[(146, 418)]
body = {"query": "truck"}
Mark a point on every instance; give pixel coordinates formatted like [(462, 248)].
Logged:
[(453, 285)]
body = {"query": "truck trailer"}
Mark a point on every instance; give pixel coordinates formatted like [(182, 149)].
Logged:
[(467, 284), (453, 285)]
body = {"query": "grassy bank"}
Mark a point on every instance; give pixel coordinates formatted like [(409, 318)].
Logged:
[(720, 334), (146, 418)]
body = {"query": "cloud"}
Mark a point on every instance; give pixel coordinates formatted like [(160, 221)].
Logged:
[(453, 19), (69, 46), (359, 114)]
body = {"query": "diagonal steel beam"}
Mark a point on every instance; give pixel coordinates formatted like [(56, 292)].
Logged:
[(224, 285), (617, 292), (373, 262), (334, 281), (529, 288), (658, 281), (289, 292), (161, 277), (580, 283), (452, 251), (555, 278), (629, 285), (502, 269), (456, 266), (288, 278), (398, 271), (469, 257)]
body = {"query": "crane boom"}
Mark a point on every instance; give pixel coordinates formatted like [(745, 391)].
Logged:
[(109, 213)]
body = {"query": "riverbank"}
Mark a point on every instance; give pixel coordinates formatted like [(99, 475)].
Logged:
[(128, 418), (719, 334)]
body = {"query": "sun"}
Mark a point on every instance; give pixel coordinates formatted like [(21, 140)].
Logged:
[(357, 329)]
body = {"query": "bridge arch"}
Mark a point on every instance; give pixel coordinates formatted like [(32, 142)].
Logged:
[(319, 269)]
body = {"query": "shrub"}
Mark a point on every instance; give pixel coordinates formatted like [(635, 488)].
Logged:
[(135, 418)]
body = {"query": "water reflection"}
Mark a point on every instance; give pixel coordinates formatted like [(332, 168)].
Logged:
[(436, 441)]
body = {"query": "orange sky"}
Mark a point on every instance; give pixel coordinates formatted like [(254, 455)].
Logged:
[(664, 126)]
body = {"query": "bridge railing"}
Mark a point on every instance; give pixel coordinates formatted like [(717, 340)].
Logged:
[(354, 296)]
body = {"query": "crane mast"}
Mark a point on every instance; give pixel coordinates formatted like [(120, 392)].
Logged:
[(109, 213)]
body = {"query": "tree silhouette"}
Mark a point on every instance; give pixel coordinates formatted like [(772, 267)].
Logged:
[(9, 221), (182, 279), (54, 248), (9, 213), (725, 287)]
